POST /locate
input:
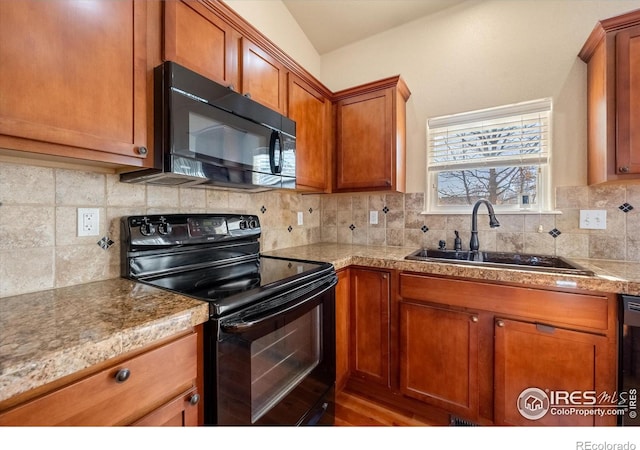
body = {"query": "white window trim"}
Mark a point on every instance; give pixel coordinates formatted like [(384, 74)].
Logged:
[(544, 182)]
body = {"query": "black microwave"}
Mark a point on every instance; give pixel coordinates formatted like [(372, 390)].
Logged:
[(207, 134)]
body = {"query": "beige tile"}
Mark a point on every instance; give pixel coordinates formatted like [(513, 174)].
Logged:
[(572, 245), (539, 244), (218, 200), (376, 202), (32, 272), (436, 222), (395, 202), (395, 219), (329, 234), (329, 202), (192, 199), (569, 222), (533, 222), (395, 237), (601, 197), (432, 237), (458, 222), (26, 226), (360, 218), (125, 194), (345, 235), (76, 264), (616, 223), (360, 202), (509, 223), (377, 236), (606, 247), (159, 197), (344, 203), (572, 197), (414, 238), (241, 202), (509, 242), (21, 184), (67, 227), (78, 188), (344, 218), (633, 247), (413, 220), (414, 202), (633, 195), (329, 218), (360, 236)]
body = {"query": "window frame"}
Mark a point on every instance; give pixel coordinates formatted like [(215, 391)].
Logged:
[(517, 110)]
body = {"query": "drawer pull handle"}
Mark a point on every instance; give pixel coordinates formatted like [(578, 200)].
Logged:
[(122, 375), (194, 399)]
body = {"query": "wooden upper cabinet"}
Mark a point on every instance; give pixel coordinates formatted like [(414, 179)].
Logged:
[(262, 77), (195, 37), (370, 137), (612, 54), (311, 110), (73, 79)]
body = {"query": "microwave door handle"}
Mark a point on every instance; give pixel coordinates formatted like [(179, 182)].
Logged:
[(241, 326), (275, 138)]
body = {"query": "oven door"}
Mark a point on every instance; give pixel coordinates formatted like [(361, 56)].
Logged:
[(274, 363)]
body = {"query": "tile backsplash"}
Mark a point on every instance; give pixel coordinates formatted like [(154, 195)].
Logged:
[(39, 248)]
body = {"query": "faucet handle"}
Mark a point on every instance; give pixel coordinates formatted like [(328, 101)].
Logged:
[(442, 245), (457, 243)]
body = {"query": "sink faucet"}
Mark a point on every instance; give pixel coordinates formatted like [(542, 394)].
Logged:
[(474, 244)]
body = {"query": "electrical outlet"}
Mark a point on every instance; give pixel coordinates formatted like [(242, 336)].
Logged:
[(88, 221), (593, 219), (300, 218), (373, 217)]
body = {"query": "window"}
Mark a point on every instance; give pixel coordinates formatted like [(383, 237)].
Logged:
[(500, 154)]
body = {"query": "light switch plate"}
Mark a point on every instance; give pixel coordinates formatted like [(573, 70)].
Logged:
[(300, 218), (373, 217), (593, 219)]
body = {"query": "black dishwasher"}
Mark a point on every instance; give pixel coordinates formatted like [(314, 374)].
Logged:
[(630, 357)]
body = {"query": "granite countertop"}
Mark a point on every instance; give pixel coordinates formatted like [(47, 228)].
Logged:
[(47, 335), (610, 276)]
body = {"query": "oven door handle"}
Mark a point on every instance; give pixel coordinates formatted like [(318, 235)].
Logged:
[(242, 326)]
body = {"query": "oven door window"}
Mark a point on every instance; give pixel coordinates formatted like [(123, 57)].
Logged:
[(283, 358)]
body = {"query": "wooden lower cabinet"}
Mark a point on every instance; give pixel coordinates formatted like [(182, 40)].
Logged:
[(530, 355), (343, 292), (467, 351), (439, 357), (369, 340), (155, 387)]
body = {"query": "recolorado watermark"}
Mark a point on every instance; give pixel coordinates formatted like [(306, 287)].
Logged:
[(589, 445), (534, 403)]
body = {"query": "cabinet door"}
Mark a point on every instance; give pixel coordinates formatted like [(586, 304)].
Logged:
[(529, 355), (263, 78), (179, 412), (73, 79), (198, 39), (370, 296), (312, 112), (364, 153), (342, 328), (628, 100), (439, 357)]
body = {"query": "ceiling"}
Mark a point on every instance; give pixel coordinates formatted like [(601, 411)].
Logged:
[(331, 24)]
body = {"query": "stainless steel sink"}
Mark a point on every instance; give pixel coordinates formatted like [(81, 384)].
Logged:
[(522, 261)]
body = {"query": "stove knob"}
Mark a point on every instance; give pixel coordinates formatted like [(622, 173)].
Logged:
[(147, 228), (253, 223), (243, 224), (164, 227)]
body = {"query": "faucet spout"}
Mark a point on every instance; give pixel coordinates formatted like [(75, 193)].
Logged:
[(474, 244)]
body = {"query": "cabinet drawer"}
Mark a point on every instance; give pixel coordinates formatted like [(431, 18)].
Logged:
[(561, 308), (154, 378)]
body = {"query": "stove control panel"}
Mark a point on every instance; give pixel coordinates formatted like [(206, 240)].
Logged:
[(179, 229)]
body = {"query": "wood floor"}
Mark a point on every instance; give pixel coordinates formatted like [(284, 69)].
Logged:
[(353, 410)]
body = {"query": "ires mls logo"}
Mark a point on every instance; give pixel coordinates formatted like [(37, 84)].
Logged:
[(533, 403)]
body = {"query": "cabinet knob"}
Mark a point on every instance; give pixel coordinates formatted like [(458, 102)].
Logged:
[(142, 151), (384, 276), (474, 319), (624, 169), (122, 375), (247, 94), (194, 399), (500, 323)]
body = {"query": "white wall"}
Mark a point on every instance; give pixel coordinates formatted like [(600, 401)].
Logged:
[(483, 54), (274, 20)]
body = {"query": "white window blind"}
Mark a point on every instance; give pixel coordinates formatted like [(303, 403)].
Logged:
[(513, 135), (501, 154)]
